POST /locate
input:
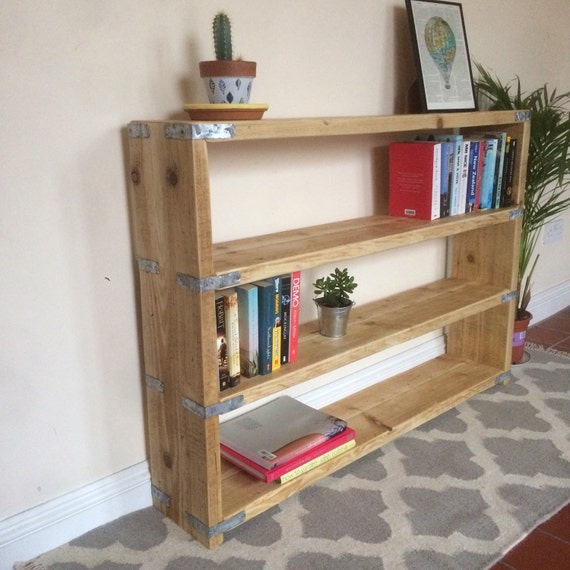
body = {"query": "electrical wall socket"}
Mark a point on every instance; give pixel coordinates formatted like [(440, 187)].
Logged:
[(553, 231)]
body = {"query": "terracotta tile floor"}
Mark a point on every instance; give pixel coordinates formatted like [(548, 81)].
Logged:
[(548, 546)]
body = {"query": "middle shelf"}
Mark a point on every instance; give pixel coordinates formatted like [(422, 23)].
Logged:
[(273, 254), (374, 327)]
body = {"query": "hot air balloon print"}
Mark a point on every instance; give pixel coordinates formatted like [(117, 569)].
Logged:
[(440, 42)]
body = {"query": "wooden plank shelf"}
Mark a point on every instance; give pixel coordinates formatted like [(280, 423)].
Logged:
[(338, 241), (379, 414), (364, 125), (374, 327)]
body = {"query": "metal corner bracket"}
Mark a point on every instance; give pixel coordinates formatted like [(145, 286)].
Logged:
[(138, 130), (206, 412), (220, 528), (508, 296), (504, 378), (148, 266), (194, 131), (159, 495), (522, 116), (208, 283), (515, 214), (154, 383)]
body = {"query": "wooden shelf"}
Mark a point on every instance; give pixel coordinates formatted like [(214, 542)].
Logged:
[(378, 414), (311, 246), (374, 327), (365, 125)]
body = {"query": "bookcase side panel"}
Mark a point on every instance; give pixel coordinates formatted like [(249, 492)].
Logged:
[(487, 255), (162, 394)]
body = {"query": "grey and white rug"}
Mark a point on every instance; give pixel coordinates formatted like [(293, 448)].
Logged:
[(455, 494)]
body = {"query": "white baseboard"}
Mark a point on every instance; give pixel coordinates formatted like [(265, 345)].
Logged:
[(56, 522), (547, 303)]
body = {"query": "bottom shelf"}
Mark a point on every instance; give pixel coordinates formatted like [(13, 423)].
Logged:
[(379, 414)]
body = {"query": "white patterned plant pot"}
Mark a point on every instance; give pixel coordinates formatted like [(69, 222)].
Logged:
[(231, 90), (228, 81)]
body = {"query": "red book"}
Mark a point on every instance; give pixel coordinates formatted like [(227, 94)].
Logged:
[(269, 475), (294, 315), (415, 179)]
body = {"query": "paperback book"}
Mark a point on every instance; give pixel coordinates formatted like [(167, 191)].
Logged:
[(278, 431), (312, 458), (266, 304), (232, 335), (285, 316), (249, 329), (221, 344), (294, 315), (415, 179)]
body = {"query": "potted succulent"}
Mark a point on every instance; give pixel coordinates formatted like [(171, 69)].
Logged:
[(227, 80), (547, 179), (333, 302)]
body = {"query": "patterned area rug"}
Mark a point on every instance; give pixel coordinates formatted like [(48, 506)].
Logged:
[(456, 493)]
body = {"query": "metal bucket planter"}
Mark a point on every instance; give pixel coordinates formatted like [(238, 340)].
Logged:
[(333, 320)]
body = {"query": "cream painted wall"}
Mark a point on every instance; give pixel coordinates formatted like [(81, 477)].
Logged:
[(72, 74)]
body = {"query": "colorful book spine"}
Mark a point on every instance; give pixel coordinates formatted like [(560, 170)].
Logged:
[(276, 332), (465, 154), (285, 316), (249, 329), (473, 178), (266, 303), (268, 475), (222, 347), (294, 315), (510, 160), (488, 173), (317, 461), (232, 335), (497, 183), (455, 142)]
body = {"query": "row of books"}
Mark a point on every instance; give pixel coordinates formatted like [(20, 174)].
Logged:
[(283, 439), (436, 176), (257, 327)]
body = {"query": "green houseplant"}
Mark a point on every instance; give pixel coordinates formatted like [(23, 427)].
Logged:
[(333, 301), (548, 169), (227, 80)]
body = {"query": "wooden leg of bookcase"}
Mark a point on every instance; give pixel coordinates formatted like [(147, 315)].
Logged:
[(201, 484)]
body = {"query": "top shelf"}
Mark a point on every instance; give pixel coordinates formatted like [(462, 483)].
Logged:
[(336, 126)]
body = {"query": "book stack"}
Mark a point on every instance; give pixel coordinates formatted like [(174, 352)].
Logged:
[(257, 327), (283, 439), (436, 176)]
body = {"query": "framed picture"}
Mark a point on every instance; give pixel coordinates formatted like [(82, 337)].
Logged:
[(445, 80)]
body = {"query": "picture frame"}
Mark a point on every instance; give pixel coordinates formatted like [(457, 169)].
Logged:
[(445, 78)]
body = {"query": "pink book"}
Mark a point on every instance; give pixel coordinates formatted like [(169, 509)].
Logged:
[(279, 431), (269, 475)]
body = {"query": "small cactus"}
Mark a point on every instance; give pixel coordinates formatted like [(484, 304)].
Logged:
[(222, 36)]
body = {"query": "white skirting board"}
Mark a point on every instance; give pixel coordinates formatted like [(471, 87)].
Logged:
[(56, 522), (549, 302)]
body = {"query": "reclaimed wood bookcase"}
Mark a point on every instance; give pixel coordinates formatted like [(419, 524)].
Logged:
[(179, 268)]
